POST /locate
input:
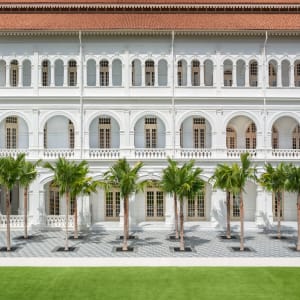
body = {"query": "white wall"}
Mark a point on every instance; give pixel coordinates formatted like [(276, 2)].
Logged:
[(58, 132)]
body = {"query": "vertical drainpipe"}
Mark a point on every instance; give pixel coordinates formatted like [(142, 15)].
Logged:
[(265, 64), (81, 97), (173, 98)]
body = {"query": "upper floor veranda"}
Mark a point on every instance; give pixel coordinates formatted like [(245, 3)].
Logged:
[(150, 66)]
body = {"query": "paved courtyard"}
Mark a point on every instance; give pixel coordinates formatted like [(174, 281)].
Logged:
[(151, 244)]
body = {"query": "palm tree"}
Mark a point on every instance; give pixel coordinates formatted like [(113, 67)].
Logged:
[(240, 175), (27, 175), (66, 175), (293, 185), (122, 175), (84, 186), (222, 179), (10, 169), (273, 180), (189, 184), (169, 184)]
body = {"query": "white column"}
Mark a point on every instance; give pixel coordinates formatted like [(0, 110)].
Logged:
[(218, 209), (247, 83), (189, 74), (7, 75), (292, 75), (36, 204), (35, 73), (279, 76), (97, 74), (20, 83), (234, 75), (143, 74), (110, 73), (261, 78), (84, 65), (52, 82), (201, 74), (65, 74), (169, 211), (156, 74)]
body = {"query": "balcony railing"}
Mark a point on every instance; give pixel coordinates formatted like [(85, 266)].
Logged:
[(104, 153), (16, 221), (195, 153), (286, 153), (150, 153), (59, 220), (13, 152), (56, 153), (236, 153)]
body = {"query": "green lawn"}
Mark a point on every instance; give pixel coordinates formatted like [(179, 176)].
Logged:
[(150, 283)]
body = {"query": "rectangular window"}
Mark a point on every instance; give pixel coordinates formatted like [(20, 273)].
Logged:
[(11, 124), (71, 135), (199, 132), (154, 204), (234, 206), (196, 207), (54, 201), (104, 133), (276, 198), (112, 205), (150, 132)]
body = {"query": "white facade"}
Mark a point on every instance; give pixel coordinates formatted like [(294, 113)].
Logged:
[(147, 97)]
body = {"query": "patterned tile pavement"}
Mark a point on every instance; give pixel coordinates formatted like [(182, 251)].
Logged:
[(151, 244)]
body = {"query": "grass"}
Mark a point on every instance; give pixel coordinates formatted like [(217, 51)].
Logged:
[(150, 283)]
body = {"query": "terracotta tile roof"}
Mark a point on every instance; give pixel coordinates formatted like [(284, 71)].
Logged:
[(152, 1), (149, 22)]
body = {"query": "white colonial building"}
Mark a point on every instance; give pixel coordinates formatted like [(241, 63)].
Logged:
[(100, 80)]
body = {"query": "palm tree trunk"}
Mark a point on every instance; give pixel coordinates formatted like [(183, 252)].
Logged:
[(7, 219), (67, 222), (75, 220), (181, 226), (242, 222), (298, 217), (228, 233), (125, 235), (176, 217), (278, 215), (25, 212)]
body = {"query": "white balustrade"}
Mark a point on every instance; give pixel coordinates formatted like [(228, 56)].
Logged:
[(56, 153), (59, 220), (151, 153), (195, 153), (104, 153), (13, 152), (16, 221), (286, 153), (236, 153)]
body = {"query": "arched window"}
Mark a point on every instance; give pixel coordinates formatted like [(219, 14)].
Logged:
[(251, 136), (273, 73), (199, 132), (26, 72), (72, 73), (136, 70), (285, 73), (150, 127), (181, 73), (162, 73), (59, 73), (208, 73), (71, 135), (2, 73), (253, 73), (296, 137), (195, 73), (46, 73), (117, 73), (240, 73), (149, 73), (230, 138), (11, 132), (275, 138), (297, 73), (91, 73), (227, 72), (14, 73), (104, 73)]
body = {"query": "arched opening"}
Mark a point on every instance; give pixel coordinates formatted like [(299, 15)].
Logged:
[(136, 73), (240, 73), (149, 73), (72, 73), (14, 73), (46, 73), (195, 73), (104, 72), (162, 73), (117, 73), (272, 73), (59, 133), (253, 73), (91, 72), (2, 73), (231, 140), (26, 72), (227, 72), (285, 73), (149, 132), (59, 73), (182, 73), (208, 73)]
